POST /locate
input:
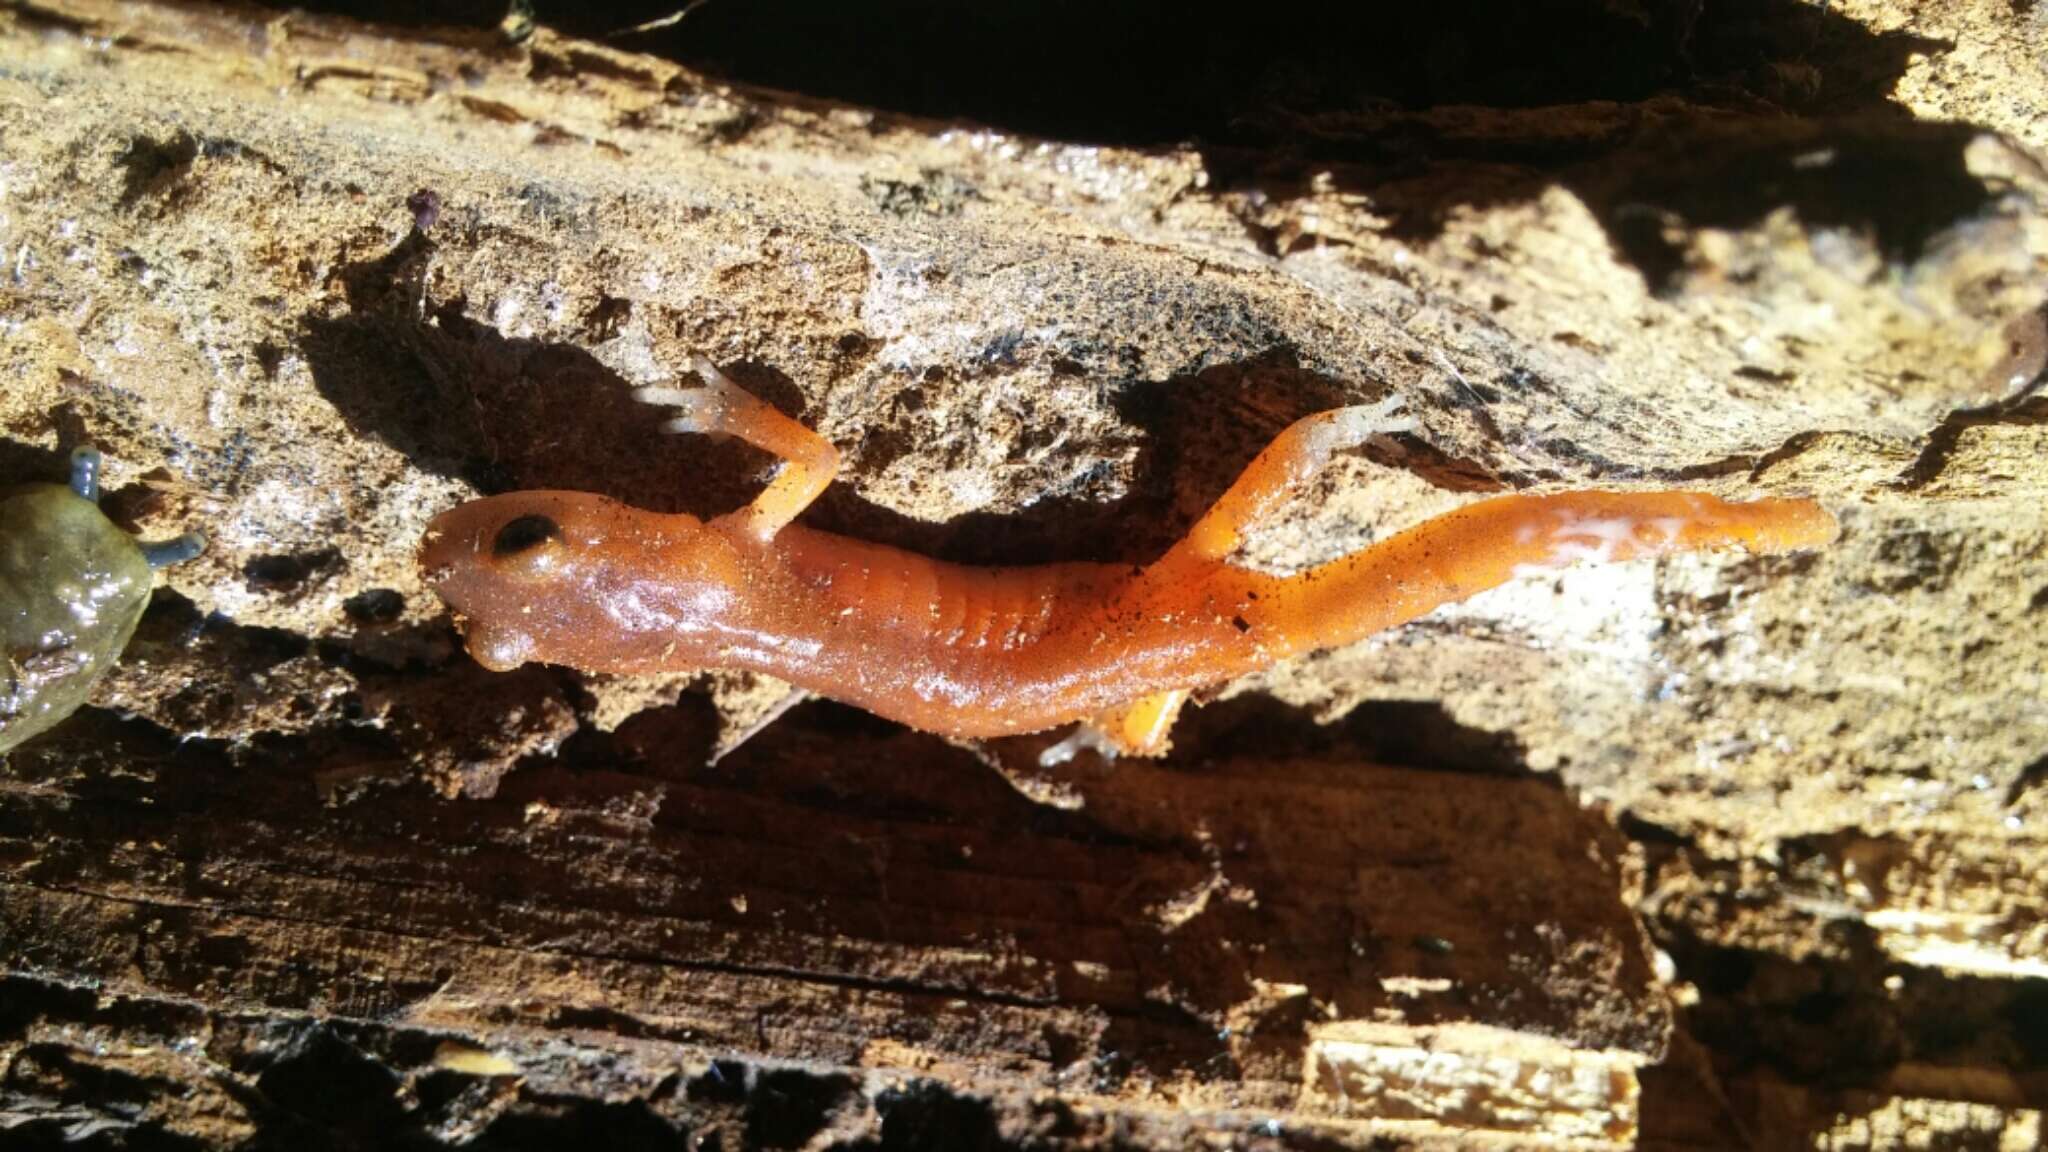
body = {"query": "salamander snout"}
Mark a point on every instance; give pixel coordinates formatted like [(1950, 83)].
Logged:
[(502, 563), (574, 578)]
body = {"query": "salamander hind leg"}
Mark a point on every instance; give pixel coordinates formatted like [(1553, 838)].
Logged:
[(1298, 453), (720, 407), (1143, 727)]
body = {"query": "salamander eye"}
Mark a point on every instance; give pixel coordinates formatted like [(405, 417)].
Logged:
[(526, 537)]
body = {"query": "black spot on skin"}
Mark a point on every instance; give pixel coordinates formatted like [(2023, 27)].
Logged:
[(525, 533), (1243, 625)]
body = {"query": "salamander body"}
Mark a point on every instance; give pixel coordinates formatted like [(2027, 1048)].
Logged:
[(577, 579)]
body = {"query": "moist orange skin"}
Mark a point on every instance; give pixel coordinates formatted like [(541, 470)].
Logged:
[(981, 652)]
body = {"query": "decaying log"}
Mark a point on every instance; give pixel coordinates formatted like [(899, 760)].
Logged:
[(1712, 852), (1283, 945)]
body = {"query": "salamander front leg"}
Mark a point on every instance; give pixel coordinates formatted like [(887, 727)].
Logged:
[(1290, 460), (721, 407)]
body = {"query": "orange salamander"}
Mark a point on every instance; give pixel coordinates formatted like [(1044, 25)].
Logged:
[(578, 579)]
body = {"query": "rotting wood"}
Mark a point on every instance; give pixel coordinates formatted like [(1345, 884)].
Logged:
[(1828, 770), (1314, 943)]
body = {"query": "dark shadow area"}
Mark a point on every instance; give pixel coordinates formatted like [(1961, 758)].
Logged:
[(459, 399), (150, 166), (2035, 774), (1411, 733), (507, 414), (926, 1118), (55, 1099), (788, 1107), (27, 464), (289, 572), (1845, 1018), (1200, 432), (1650, 179), (1898, 183), (324, 1083), (2029, 408), (1154, 72), (1159, 73), (174, 624), (22, 463), (1683, 1105), (78, 1096), (1430, 109), (1788, 101), (798, 758)]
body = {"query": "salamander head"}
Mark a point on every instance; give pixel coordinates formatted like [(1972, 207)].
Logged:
[(567, 577)]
